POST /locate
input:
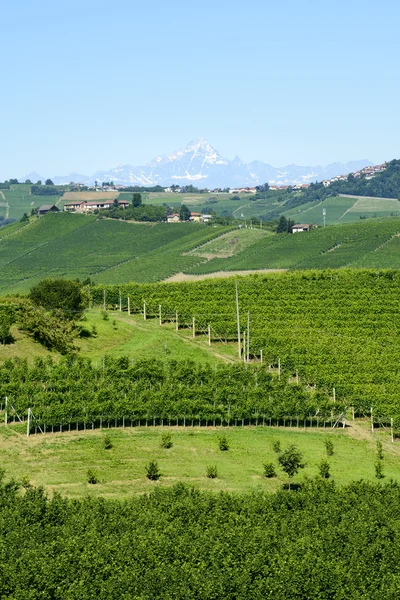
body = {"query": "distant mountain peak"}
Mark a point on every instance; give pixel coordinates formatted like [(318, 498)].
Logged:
[(201, 164)]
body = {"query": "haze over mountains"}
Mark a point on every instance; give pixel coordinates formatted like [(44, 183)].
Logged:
[(201, 165)]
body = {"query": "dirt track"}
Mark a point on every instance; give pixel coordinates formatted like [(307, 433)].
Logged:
[(218, 274)]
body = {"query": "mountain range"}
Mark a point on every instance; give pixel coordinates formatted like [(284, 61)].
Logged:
[(201, 165)]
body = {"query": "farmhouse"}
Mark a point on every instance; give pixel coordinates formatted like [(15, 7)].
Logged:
[(300, 227), (85, 207), (195, 217), (47, 208), (173, 218)]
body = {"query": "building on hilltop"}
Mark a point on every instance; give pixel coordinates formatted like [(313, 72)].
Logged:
[(47, 208), (173, 218), (300, 227), (85, 207)]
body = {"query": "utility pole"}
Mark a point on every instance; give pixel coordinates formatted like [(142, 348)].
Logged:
[(248, 336), (238, 321)]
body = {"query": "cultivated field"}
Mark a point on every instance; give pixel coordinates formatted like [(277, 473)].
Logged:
[(89, 196), (60, 462)]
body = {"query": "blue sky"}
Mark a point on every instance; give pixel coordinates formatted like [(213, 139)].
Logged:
[(90, 85)]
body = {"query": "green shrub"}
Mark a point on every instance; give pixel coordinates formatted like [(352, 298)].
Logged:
[(107, 442), (379, 450), (166, 441), (152, 471), (379, 470), (212, 472), (223, 443), (324, 468), (92, 477), (329, 447), (269, 470), (104, 315), (276, 446)]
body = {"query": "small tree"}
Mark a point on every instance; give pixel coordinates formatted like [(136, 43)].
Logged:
[(291, 461), (328, 447), (166, 441), (276, 446), (324, 468), (107, 442), (212, 472), (223, 443), (379, 450), (152, 471), (136, 199), (269, 470), (184, 213), (92, 477), (379, 470), (48, 182)]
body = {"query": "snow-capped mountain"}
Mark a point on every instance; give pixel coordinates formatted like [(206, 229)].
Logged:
[(201, 165)]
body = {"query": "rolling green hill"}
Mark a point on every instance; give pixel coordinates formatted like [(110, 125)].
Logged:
[(81, 246), (111, 251)]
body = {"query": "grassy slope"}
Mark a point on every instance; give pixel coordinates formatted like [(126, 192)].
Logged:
[(60, 461), (20, 201)]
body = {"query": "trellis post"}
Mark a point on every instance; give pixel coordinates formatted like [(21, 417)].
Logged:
[(176, 322), (104, 298), (129, 306), (28, 427), (194, 327), (372, 421), (261, 356), (6, 413), (159, 313), (209, 334), (391, 429), (238, 321), (144, 310)]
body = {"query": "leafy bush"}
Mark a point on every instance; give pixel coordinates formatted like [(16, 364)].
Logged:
[(92, 477), (212, 472), (276, 446), (379, 470), (329, 447), (104, 315), (324, 468), (223, 443), (107, 442), (152, 471), (166, 440), (269, 470), (379, 450)]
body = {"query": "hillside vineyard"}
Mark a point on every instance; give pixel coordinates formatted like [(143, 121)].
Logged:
[(337, 329)]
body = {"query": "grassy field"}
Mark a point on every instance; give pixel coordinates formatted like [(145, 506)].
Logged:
[(344, 209), (60, 462)]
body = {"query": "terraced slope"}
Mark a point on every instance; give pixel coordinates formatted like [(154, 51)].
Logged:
[(80, 246), (359, 244)]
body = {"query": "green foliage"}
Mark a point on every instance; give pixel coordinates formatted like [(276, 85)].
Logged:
[(136, 199), (166, 440), (49, 329), (61, 295), (329, 447), (46, 190), (284, 225), (104, 315), (184, 213), (291, 461), (107, 442), (92, 477), (324, 540), (269, 470), (324, 469), (24, 218), (8, 316), (379, 470), (379, 450), (152, 471), (276, 446), (212, 472), (223, 443), (75, 390)]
